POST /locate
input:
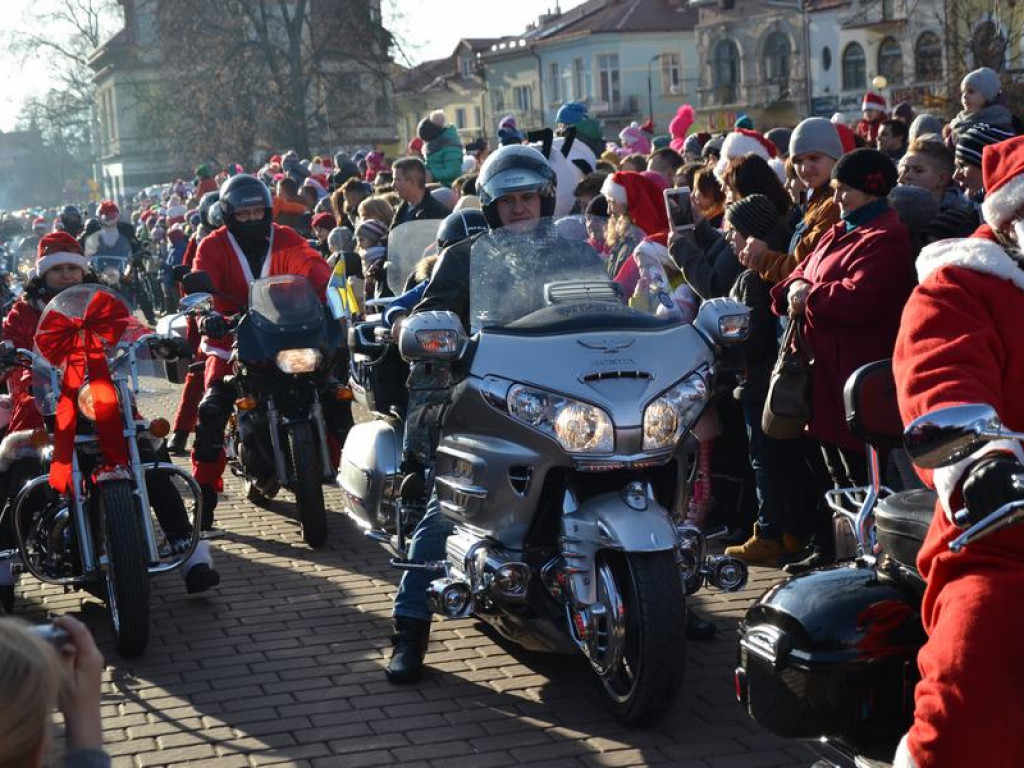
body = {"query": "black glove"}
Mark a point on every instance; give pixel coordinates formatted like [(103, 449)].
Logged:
[(171, 348), (213, 326), (8, 353), (989, 485)]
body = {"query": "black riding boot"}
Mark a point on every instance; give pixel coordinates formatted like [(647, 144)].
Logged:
[(410, 642), (179, 443)]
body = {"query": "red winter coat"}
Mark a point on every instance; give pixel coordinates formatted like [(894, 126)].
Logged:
[(20, 329), (291, 254), (960, 342), (860, 281)]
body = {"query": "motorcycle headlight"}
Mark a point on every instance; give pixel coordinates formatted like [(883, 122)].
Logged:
[(110, 276), (577, 426), (86, 404), (667, 416), (298, 360)]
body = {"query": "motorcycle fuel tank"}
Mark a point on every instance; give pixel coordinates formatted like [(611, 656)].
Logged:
[(832, 653)]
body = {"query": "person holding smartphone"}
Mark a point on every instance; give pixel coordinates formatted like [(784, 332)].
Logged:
[(37, 677)]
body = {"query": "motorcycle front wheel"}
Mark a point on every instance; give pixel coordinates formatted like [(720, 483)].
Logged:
[(639, 653), (306, 483), (126, 574)]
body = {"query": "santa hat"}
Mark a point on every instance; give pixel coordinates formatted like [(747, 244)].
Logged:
[(648, 127), (323, 220), (642, 199), (1002, 170), (873, 101), (415, 146), (59, 248), (742, 142), (655, 245), (846, 137)]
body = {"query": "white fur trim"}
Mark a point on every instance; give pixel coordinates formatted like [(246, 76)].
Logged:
[(16, 445), (903, 758), (51, 260), (200, 556), (999, 206), (614, 191), (739, 145), (780, 169), (974, 253), (655, 250)]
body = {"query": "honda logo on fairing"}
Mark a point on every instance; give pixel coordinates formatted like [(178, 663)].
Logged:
[(606, 345)]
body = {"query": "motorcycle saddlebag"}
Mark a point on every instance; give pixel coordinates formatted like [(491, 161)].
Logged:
[(833, 653), (369, 470)]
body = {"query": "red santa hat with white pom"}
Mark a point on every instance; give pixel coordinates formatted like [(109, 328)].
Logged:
[(742, 142)]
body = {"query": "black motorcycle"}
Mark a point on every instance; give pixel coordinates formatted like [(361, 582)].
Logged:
[(289, 404), (830, 656)]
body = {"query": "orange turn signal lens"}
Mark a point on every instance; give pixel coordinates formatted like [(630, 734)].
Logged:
[(39, 439), (246, 403), (344, 394), (159, 427)]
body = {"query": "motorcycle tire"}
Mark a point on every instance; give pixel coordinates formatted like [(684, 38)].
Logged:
[(306, 482), (127, 571), (643, 685)]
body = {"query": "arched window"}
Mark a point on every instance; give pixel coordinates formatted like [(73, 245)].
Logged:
[(890, 61), (776, 58), (988, 44), (854, 70), (725, 72), (928, 58)]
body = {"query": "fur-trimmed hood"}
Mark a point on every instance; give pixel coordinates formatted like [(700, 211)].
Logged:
[(978, 254)]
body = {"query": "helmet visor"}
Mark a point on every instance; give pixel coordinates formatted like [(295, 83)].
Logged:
[(514, 180)]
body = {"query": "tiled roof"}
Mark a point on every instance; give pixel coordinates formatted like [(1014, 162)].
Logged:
[(597, 16)]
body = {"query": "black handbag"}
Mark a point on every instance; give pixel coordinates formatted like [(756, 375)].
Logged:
[(787, 409)]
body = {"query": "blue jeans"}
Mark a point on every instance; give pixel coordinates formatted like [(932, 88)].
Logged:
[(428, 543), (769, 459)]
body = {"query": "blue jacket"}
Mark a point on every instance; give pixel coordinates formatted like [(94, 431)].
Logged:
[(404, 303)]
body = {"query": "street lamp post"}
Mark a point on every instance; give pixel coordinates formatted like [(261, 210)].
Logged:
[(650, 90)]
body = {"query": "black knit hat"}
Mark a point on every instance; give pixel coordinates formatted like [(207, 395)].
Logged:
[(867, 170), (753, 216), (975, 139), (428, 130), (956, 221)]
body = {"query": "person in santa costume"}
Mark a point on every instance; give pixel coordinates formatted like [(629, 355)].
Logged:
[(960, 342), (60, 264), (873, 115), (742, 142), (637, 211), (250, 246)]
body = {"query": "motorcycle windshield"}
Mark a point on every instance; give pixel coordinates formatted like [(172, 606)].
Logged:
[(286, 303), (546, 276), (407, 244), (126, 358)]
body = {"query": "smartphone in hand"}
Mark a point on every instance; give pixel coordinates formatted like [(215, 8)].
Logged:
[(679, 208)]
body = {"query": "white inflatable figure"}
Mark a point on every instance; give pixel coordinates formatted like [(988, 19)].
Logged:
[(568, 173)]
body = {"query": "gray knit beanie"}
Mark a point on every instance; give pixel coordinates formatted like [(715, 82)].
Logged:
[(753, 216), (816, 134), (923, 125), (985, 81)]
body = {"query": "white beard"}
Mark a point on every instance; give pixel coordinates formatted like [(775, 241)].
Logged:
[(109, 237)]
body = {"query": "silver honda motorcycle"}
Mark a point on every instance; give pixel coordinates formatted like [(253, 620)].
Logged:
[(564, 462)]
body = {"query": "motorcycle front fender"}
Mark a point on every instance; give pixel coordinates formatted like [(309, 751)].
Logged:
[(607, 522)]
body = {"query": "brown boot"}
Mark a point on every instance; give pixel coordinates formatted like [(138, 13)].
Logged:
[(757, 550)]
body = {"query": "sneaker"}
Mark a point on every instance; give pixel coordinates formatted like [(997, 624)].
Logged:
[(757, 550), (201, 577)]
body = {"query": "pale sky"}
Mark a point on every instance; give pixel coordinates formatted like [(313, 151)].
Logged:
[(425, 29)]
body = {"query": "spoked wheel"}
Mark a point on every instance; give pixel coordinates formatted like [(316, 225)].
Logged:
[(308, 490), (126, 574), (638, 649)]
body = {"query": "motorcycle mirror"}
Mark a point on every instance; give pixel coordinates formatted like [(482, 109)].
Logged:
[(947, 435), (197, 282), (196, 301), (723, 322)]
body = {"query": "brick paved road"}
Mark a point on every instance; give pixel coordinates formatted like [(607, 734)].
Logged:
[(283, 665)]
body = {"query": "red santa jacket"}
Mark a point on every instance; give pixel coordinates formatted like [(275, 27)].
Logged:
[(860, 281), (20, 329), (960, 342), (220, 257)]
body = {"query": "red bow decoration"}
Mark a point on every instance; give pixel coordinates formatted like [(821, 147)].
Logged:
[(76, 343)]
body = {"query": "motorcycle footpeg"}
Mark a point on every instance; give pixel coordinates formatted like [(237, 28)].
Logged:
[(727, 573), (430, 566)]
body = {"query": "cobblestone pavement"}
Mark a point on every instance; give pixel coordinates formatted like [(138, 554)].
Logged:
[(283, 664)]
